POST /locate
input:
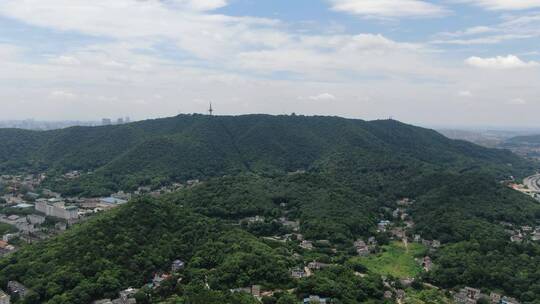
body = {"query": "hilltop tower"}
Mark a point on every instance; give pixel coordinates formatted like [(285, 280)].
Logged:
[(210, 110)]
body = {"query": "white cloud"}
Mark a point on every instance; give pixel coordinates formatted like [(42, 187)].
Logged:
[(201, 34), (505, 4), (471, 31), (224, 42), (465, 93), (500, 62), (513, 27), (337, 56), (157, 47), (8, 51), (62, 95), (65, 60), (202, 5), (388, 8), (322, 96), (517, 101), (492, 39)]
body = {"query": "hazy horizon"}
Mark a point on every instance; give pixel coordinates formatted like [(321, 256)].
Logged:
[(466, 63), (98, 122)]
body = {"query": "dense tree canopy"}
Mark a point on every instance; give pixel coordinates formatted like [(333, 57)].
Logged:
[(336, 177)]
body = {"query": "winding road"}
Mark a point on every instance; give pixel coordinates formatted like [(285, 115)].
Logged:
[(533, 183)]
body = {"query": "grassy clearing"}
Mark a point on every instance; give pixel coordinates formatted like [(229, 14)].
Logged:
[(395, 260)]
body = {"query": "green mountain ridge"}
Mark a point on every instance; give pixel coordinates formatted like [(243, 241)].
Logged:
[(337, 177), (199, 147)]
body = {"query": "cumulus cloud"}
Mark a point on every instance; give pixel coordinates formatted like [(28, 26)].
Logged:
[(388, 8), (512, 27), (255, 44), (505, 4), (142, 49), (500, 62), (202, 5), (322, 96), (201, 34)]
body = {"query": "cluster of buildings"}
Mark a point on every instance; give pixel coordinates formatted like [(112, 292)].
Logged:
[(308, 270), (254, 290), (56, 207), (362, 248), (469, 295), (292, 225), (20, 183), (21, 191), (30, 228), (24, 192), (126, 296), (298, 273), (257, 293), (396, 292), (26, 211), (523, 233), (14, 289), (313, 299), (72, 174), (119, 121)]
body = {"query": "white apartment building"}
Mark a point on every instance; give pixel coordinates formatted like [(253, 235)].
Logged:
[(57, 209)]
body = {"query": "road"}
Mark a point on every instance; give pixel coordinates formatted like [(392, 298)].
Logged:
[(533, 182)]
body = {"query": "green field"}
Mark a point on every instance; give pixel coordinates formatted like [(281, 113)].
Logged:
[(395, 260), (430, 296)]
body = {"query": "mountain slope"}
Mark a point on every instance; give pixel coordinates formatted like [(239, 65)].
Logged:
[(337, 177), (198, 146), (125, 247)]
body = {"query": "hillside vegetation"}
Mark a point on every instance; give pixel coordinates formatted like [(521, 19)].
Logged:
[(198, 147), (337, 177)]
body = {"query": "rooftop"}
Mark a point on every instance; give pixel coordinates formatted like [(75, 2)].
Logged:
[(112, 200), (24, 206)]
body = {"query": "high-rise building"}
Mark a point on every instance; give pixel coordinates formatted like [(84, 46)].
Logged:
[(127, 119), (120, 121), (106, 122)]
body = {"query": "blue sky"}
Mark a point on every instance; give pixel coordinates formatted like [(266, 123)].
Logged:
[(453, 62)]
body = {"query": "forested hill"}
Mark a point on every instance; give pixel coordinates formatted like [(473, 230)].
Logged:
[(348, 176), (200, 146)]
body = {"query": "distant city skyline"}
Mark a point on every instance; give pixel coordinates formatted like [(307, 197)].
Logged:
[(452, 63)]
